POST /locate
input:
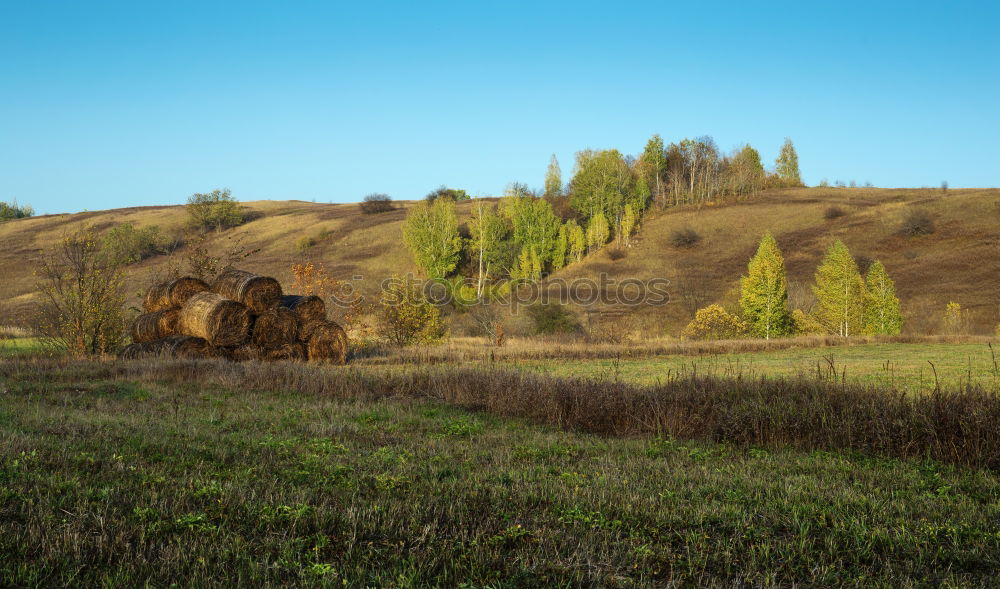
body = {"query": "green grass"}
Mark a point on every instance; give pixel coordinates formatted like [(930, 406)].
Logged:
[(21, 346), (129, 482), (902, 366)]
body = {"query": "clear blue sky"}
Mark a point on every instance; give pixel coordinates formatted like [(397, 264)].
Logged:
[(115, 104)]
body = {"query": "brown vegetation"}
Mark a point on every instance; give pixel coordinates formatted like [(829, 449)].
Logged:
[(327, 342), (274, 329)]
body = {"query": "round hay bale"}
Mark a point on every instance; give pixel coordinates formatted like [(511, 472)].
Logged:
[(327, 343), (260, 293), (133, 351), (219, 321), (172, 294), (153, 326), (294, 352), (182, 346), (306, 308), (275, 328)]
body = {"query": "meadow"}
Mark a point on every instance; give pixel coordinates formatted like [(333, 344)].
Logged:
[(200, 473)]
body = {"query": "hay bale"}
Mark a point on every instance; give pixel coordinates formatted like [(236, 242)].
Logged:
[(153, 326), (306, 308), (260, 293), (295, 352), (219, 321), (174, 346), (327, 343), (172, 294), (275, 328)]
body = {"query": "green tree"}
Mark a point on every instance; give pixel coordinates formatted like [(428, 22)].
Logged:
[(553, 178), (764, 292), (745, 173), (597, 232), (12, 210), (129, 244), (446, 193), (431, 233), (577, 240), (604, 183), (405, 316), (488, 234), (652, 166), (714, 322), (629, 220), (787, 165), (561, 249), (882, 313), (534, 225), (840, 292), (215, 210)]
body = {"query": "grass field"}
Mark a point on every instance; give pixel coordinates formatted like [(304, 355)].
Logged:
[(909, 367), (21, 346), (188, 474)]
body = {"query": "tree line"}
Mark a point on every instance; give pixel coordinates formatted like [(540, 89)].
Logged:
[(847, 303), (531, 233)]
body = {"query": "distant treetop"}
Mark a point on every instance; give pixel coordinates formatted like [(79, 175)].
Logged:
[(445, 192)]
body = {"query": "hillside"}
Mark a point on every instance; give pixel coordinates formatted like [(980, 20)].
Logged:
[(959, 262)]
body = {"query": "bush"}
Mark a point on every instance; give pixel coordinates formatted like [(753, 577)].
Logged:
[(128, 245), (215, 210), (406, 317), (376, 203), (834, 212), (445, 192), (616, 253), (917, 222), (684, 238), (552, 319), (864, 263), (12, 210), (305, 242), (805, 324), (714, 322)]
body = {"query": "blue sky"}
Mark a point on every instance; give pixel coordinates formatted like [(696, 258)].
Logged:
[(106, 105)]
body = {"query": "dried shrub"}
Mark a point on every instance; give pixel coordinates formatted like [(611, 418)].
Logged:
[(833, 212), (917, 222), (684, 238), (616, 253), (552, 319), (376, 203)]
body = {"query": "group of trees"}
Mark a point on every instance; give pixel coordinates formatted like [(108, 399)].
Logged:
[(846, 303), (12, 210), (532, 233)]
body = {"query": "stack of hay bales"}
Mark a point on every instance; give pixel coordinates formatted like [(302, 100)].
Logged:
[(242, 316)]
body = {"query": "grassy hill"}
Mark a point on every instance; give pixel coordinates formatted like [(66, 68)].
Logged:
[(959, 262)]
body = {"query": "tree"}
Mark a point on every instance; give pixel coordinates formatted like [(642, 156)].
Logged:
[(553, 178), (629, 220), (840, 292), (534, 225), (446, 193), (83, 296), (577, 240), (764, 292), (787, 165), (604, 183), (431, 233), (597, 232), (215, 210), (488, 233), (882, 314), (129, 244), (652, 165), (561, 249), (745, 173)]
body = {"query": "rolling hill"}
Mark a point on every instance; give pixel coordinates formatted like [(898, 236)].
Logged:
[(959, 262)]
